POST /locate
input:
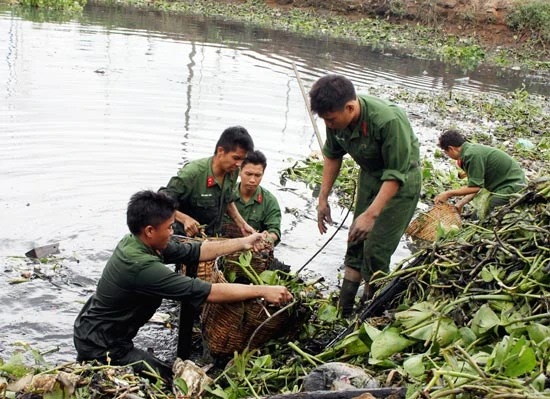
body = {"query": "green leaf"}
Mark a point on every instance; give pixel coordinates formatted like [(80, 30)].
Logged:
[(231, 276), (486, 275), (484, 320), (416, 314), (56, 393), (353, 345), (328, 313), (447, 332), (540, 334), (467, 335), (371, 331), (422, 333), (270, 277), (390, 341), (182, 385), (443, 331), (15, 365), (261, 362), (512, 357), (414, 365)]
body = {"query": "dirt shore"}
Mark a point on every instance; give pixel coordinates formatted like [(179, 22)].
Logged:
[(483, 20)]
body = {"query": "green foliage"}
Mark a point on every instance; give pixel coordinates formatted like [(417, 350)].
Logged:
[(72, 6), (436, 179), (15, 365), (466, 54), (310, 172), (182, 385), (532, 19)]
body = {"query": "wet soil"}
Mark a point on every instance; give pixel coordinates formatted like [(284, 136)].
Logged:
[(484, 21)]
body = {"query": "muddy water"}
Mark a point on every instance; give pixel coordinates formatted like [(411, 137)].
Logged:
[(95, 109)]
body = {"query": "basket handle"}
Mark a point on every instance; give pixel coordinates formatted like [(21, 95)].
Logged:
[(278, 312)]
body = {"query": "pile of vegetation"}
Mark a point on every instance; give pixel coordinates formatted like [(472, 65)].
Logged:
[(470, 319), (72, 7)]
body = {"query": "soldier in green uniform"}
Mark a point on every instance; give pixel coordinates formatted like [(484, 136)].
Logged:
[(379, 137), (256, 204), (135, 280), (206, 188), (485, 166)]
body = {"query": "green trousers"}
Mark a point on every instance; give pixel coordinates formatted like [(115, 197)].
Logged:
[(374, 253)]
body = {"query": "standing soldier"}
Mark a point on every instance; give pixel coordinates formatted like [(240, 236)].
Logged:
[(379, 137)]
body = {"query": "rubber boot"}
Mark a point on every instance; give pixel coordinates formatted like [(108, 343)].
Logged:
[(347, 297)]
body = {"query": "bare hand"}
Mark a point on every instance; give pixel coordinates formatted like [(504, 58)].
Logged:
[(361, 227), (277, 294), (323, 217), (191, 225), (255, 241), (246, 229)]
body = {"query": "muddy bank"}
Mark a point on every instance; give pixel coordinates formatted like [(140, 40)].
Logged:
[(470, 34), (485, 20)]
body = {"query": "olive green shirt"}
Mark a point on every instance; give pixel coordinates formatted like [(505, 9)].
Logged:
[(262, 211), (200, 195), (490, 168), (382, 143), (131, 288)]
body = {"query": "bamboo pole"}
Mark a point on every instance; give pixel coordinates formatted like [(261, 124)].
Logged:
[(304, 95)]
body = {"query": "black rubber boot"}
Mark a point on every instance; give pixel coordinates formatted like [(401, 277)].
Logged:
[(347, 297)]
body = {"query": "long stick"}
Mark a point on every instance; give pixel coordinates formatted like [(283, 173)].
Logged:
[(315, 128)]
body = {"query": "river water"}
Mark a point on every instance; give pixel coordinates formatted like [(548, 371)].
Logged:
[(96, 108)]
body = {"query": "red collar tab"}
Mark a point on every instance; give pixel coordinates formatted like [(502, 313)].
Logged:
[(459, 163), (364, 128), (260, 198), (210, 182)]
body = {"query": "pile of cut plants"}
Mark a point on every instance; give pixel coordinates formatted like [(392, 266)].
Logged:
[(470, 319)]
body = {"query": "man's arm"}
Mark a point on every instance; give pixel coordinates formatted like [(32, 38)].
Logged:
[(212, 249), (467, 198), (445, 195), (331, 168), (234, 214), (191, 225), (272, 217), (223, 292), (364, 223)]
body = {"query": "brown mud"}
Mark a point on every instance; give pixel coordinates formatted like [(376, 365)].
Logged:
[(481, 20)]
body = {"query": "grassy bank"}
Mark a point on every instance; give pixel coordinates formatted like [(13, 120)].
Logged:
[(416, 40)]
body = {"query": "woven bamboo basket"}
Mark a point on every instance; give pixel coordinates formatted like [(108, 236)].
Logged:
[(425, 225), (259, 262), (230, 327), (204, 270)]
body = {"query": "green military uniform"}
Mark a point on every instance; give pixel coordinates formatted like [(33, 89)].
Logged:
[(385, 147), (492, 169), (200, 195), (262, 211), (131, 288)]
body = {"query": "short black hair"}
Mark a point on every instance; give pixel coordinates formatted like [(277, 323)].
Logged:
[(148, 208), (331, 93), (255, 158), (233, 137), (451, 137)]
